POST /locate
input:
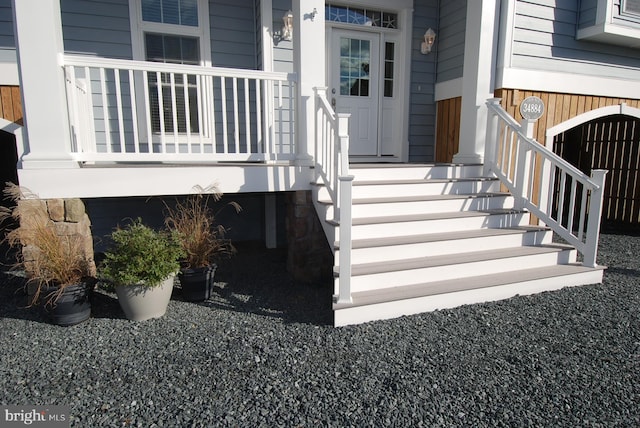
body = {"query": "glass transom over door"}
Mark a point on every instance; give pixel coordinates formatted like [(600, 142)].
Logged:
[(355, 64)]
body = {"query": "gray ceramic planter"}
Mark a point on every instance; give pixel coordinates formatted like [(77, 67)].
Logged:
[(141, 303)]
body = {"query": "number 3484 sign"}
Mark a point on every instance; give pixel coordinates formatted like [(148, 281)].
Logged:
[(532, 108)]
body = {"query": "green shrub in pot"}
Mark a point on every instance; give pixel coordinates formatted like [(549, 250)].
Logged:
[(142, 265)]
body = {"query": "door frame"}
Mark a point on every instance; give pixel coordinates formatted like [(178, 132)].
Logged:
[(402, 76)]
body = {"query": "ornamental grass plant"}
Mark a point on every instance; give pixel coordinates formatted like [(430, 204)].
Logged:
[(50, 260), (194, 222)]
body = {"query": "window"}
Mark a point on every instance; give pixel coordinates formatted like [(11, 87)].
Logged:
[(178, 12), (173, 32), (359, 16), (631, 6), (177, 50)]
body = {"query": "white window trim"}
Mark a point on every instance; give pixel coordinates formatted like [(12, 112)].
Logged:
[(139, 27)]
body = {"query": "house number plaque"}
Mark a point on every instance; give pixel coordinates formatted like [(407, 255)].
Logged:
[(532, 108)]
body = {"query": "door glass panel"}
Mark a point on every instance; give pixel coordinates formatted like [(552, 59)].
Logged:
[(388, 69), (355, 58)]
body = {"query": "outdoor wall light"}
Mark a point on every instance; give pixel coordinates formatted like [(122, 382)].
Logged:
[(287, 29), (429, 40)]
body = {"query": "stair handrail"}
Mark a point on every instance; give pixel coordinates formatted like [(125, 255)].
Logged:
[(332, 171), (530, 171)]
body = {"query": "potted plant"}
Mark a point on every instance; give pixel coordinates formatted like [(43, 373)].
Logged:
[(142, 265), (202, 240), (58, 270)]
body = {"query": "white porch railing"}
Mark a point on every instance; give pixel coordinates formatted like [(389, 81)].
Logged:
[(134, 111), (560, 195), (332, 170)]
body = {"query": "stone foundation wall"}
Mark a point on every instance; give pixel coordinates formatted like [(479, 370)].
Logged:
[(69, 219), (309, 257)]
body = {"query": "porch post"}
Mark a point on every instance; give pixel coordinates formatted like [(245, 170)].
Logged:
[(478, 78), (309, 63), (38, 31)]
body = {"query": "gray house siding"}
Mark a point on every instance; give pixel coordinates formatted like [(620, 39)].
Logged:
[(283, 50), (7, 40), (422, 108), (544, 39), (588, 12), (450, 40), (233, 34), (98, 28)]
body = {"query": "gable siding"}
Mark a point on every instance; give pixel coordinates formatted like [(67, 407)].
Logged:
[(97, 27), (422, 108), (544, 39), (450, 40), (233, 34)]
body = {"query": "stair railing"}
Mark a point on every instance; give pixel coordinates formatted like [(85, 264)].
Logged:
[(332, 171), (560, 195)]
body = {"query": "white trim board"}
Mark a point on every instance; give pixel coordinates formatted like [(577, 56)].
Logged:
[(566, 83), (449, 89)]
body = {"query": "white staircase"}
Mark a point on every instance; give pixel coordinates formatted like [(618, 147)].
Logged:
[(427, 237)]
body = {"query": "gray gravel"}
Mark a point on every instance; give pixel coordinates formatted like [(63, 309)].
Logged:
[(261, 353)]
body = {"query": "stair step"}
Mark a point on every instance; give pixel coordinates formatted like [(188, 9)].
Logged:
[(455, 259), (414, 170), (439, 237), (420, 198), (423, 204), (461, 284), (412, 187), (428, 216), (416, 298), (381, 250), (370, 276), (396, 182), (387, 226)]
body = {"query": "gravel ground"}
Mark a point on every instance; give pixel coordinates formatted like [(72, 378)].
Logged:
[(262, 353)]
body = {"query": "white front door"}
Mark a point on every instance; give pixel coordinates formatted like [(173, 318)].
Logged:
[(355, 86)]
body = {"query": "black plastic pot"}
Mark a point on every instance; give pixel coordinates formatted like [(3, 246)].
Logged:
[(197, 284), (72, 307)]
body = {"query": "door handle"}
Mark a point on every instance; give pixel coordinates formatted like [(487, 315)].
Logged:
[(333, 102)]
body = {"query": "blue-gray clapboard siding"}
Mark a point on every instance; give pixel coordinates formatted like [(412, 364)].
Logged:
[(233, 34), (450, 39), (544, 39), (7, 40), (588, 12), (422, 108), (98, 28), (283, 50)]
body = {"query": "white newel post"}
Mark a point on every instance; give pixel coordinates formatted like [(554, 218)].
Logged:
[(309, 63), (595, 215), (40, 49), (478, 78)]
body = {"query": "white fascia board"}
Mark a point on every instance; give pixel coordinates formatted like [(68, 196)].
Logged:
[(157, 180), (9, 74), (549, 81), (611, 33), (449, 89)]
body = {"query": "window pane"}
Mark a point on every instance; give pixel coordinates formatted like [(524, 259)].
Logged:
[(358, 16), (173, 49), (151, 11), (177, 12)]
